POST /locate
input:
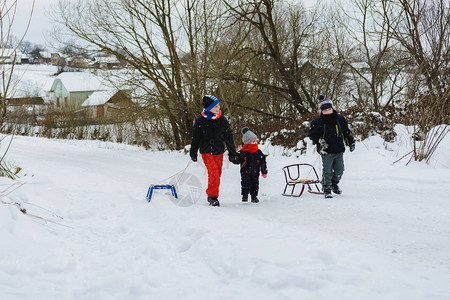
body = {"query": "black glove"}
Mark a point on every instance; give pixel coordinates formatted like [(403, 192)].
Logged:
[(234, 159), (194, 158), (352, 147)]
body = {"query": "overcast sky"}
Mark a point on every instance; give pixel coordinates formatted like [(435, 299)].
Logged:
[(40, 22), (40, 28)]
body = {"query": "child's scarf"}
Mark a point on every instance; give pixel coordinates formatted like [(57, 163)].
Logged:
[(250, 148), (210, 116)]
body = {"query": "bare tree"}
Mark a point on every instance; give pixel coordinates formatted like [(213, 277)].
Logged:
[(276, 48), (8, 54), (166, 44), (25, 47), (8, 50), (35, 52), (422, 28), (375, 60)]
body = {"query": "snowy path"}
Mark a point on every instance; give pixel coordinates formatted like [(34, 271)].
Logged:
[(386, 237)]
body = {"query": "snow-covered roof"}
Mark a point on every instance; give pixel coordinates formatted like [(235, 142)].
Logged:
[(81, 81), (99, 98), (45, 54)]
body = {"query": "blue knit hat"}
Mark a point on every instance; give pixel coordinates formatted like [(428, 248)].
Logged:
[(209, 102)]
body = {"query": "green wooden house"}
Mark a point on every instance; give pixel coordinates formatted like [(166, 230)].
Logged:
[(70, 89)]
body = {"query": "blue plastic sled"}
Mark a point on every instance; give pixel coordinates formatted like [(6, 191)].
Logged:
[(161, 187)]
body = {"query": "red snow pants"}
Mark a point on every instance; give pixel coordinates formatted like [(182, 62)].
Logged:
[(213, 164)]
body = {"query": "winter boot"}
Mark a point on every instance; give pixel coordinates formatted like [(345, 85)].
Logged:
[(255, 199), (335, 188), (327, 192), (213, 201), (244, 198)]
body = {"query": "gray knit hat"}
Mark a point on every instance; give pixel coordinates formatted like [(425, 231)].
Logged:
[(247, 136), (324, 103)]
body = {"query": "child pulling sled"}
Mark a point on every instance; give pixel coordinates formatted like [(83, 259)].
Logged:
[(330, 133)]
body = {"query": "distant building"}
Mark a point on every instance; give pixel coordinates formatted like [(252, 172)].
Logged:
[(78, 62), (25, 59), (57, 59), (106, 62), (25, 101), (107, 103), (26, 110), (45, 57), (70, 89)]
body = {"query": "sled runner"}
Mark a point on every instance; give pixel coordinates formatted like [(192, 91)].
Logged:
[(161, 187), (300, 174)]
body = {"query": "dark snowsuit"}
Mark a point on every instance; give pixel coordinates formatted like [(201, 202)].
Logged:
[(251, 166), (210, 137), (333, 129)]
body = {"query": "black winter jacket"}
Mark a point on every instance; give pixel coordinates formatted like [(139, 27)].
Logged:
[(252, 163), (211, 136), (334, 129)]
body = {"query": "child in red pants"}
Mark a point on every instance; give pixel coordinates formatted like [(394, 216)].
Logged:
[(210, 135)]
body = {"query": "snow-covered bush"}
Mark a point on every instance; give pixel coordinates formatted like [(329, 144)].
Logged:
[(364, 124)]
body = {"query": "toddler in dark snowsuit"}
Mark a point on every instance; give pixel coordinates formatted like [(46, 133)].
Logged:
[(331, 133), (252, 161)]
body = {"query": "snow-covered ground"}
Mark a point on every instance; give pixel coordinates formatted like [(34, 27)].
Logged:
[(89, 232), (32, 80)]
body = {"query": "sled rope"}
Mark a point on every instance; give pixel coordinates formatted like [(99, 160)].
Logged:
[(182, 171), (310, 170)]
